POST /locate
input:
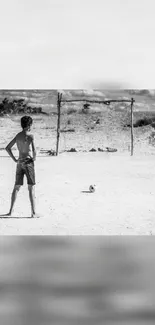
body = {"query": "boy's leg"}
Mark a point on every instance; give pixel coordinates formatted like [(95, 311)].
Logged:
[(30, 174), (18, 183), (32, 199), (13, 198)]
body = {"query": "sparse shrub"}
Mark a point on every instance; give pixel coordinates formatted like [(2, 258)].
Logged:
[(127, 125), (143, 122), (92, 150), (67, 130), (71, 111), (16, 107), (72, 150), (86, 106)]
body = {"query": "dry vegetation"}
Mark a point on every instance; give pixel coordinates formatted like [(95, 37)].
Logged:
[(98, 127)]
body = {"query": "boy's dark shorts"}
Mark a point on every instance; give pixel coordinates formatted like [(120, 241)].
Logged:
[(25, 168)]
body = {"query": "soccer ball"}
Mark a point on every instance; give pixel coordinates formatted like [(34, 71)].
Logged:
[(92, 188)]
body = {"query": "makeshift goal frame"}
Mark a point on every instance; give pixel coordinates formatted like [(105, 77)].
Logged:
[(60, 100)]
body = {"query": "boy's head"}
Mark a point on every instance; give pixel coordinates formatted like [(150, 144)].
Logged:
[(26, 123)]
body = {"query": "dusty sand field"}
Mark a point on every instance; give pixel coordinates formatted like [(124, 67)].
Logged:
[(123, 204)]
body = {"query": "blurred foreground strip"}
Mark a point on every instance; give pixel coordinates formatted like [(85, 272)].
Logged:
[(77, 280)]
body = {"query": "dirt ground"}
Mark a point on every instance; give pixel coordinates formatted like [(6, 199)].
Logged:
[(123, 203)]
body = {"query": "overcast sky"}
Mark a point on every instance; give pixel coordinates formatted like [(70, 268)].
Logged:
[(77, 43)]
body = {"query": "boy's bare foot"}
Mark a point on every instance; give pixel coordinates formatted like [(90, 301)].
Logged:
[(35, 215), (9, 214), (5, 215)]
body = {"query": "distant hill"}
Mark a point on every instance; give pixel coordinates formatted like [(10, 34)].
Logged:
[(47, 99), (41, 98), (102, 125)]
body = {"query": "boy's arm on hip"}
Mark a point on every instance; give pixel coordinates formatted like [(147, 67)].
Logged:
[(33, 149), (9, 147)]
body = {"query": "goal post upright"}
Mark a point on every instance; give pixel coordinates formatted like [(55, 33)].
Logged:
[(59, 99), (132, 140)]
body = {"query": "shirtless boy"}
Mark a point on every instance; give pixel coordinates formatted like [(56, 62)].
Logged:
[(25, 163)]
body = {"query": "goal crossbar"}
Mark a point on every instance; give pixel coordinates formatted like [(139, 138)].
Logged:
[(106, 102)]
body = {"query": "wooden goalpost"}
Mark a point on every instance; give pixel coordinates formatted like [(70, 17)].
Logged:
[(58, 121), (105, 102)]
